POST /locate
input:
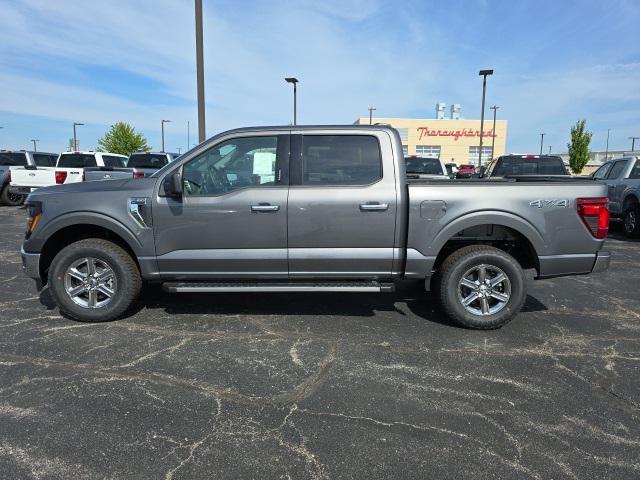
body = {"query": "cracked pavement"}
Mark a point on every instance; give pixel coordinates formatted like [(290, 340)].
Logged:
[(319, 386)]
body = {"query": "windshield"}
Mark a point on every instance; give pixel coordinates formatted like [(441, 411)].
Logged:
[(13, 159), (514, 165), (77, 160), (426, 166), (147, 160)]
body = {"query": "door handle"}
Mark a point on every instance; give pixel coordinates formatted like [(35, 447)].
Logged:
[(265, 207), (374, 207)]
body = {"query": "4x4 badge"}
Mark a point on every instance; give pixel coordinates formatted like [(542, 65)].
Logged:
[(549, 203)]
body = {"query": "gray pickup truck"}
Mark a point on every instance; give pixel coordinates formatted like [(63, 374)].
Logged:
[(20, 158), (317, 208), (138, 165), (622, 177)]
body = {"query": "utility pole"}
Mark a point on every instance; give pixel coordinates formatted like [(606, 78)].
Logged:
[(633, 142), (493, 140), (200, 72), (549, 149), (483, 74), (371, 109), (162, 127), (35, 147), (606, 153), (294, 81), (75, 138), (541, 141)]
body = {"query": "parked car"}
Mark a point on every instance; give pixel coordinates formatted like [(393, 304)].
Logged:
[(68, 169), (321, 209), (466, 171), (622, 177), (138, 165), (20, 158), (426, 167), (528, 165)]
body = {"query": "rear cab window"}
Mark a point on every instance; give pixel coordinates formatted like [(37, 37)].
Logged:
[(424, 165), (77, 160), (13, 159), (147, 160), (113, 161), (340, 160), (528, 165), (45, 160)]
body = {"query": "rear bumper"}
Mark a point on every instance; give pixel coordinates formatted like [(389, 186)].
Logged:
[(31, 264), (21, 190), (579, 264)]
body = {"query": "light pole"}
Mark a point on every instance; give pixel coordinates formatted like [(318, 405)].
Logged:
[(606, 152), (483, 74), (541, 141), (75, 137), (549, 149), (371, 109), (295, 99), (633, 142), (200, 72), (35, 141), (188, 135), (493, 139), (162, 127)]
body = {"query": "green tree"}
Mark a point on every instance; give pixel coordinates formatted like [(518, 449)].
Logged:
[(579, 146), (122, 138)]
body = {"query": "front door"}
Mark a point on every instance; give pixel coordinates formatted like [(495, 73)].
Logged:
[(342, 209), (231, 221)]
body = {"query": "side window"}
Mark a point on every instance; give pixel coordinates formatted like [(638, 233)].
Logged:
[(635, 171), (602, 171), (340, 160), (113, 161), (43, 160), (237, 163), (617, 169)]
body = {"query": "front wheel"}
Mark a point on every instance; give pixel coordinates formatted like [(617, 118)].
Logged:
[(631, 221), (94, 280), (481, 287), (10, 199)]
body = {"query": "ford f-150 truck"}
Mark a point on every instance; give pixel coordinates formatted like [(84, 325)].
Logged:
[(20, 158), (69, 169), (139, 165), (317, 208)]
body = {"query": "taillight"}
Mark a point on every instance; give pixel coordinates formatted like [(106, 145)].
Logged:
[(61, 177), (594, 212), (138, 174)]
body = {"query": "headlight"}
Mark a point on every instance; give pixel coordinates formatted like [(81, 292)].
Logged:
[(34, 214)]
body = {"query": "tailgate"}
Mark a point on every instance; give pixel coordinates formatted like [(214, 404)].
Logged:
[(32, 176), (106, 173)]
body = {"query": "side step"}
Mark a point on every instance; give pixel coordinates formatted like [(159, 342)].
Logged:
[(329, 286)]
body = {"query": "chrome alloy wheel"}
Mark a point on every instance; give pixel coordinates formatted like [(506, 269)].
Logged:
[(630, 221), (90, 282), (484, 290)]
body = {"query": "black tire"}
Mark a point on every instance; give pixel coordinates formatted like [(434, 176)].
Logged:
[(124, 270), (10, 199), (494, 260), (631, 221)]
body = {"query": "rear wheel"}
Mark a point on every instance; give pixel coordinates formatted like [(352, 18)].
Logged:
[(481, 287), (631, 221), (94, 280), (10, 199)]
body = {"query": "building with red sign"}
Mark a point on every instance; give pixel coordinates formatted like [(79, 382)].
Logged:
[(452, 140)]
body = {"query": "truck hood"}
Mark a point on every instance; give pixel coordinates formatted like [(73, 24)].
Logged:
[(137, 186)]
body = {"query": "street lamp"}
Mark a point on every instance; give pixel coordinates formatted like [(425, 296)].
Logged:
[(541, 141), (162, 127), (483, 74), (493, 140), (75, 137), (295, 105), (200, 72), (35, 141), (633, 142), (606, 153), (371, 109)]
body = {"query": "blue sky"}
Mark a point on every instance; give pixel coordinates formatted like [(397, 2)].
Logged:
[(134, 60)]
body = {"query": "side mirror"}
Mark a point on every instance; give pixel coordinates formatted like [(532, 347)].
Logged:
[(173, 184)]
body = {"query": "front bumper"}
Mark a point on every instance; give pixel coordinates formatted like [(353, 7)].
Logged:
[(31, 264), (602, 262)]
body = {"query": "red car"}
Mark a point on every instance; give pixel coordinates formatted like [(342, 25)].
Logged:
[(466, 171)]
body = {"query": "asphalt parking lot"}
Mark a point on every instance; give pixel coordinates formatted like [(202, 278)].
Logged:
[(322, 385)]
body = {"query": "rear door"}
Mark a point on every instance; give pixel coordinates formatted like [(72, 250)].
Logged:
[(342, 206)]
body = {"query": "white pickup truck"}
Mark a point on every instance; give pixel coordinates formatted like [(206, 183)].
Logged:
[(69, 169)]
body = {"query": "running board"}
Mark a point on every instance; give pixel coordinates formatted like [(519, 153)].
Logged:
[(338, 286)]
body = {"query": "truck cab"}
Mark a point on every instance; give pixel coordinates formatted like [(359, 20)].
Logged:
[(20, 158)]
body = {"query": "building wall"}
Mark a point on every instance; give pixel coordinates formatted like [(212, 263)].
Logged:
[(454, 137)]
